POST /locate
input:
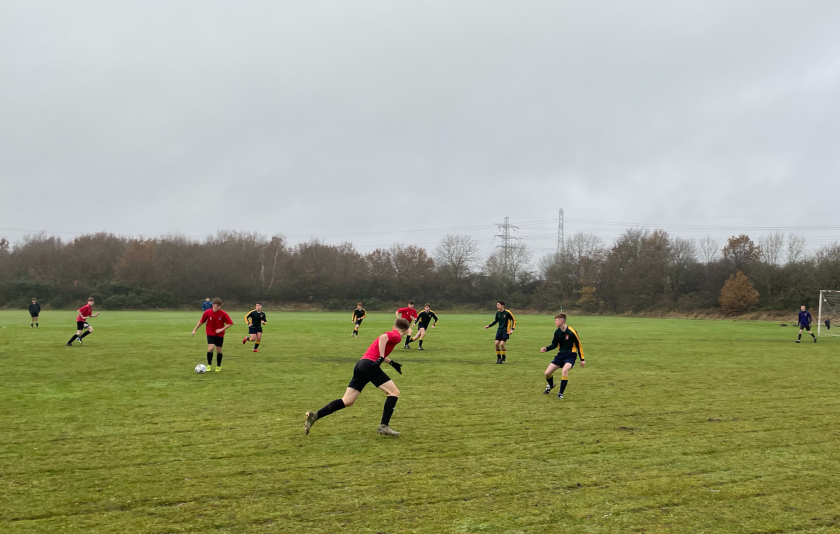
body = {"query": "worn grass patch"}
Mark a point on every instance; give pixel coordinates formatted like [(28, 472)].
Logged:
[(674, 426)]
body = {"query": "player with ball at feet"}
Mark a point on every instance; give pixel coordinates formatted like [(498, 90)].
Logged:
[(565, 339), (368, 369)]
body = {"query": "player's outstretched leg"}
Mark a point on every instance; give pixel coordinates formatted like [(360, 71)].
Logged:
[(350, 396), (564, 380), (549, 377)]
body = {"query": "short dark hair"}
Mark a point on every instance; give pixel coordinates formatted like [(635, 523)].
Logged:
[(402, 324), (33, 298), (358, 304), (411, 302), (560, 316), (217, 301), (259, 303), (90, 299), (427, 304), (500, 302)]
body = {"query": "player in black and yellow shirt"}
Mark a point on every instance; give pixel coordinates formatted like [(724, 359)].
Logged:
[(567, 341), (255, 320), (423, 319), (358, 315), (506, 322)]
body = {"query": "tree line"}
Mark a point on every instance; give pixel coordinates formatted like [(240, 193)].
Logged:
[(641, 271)]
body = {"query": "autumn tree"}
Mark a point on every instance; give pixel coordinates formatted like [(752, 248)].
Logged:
[(738, 293)]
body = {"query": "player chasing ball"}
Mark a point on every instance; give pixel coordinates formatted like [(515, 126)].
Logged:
[(85, 312), (567, 342), (409, 314), (255, 319), (368, 369), (34, 312), (424, 318), (359, 315), (805, 323), (217, 322), (506, 322)]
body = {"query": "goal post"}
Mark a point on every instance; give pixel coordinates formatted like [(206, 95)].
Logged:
[(828, 313)]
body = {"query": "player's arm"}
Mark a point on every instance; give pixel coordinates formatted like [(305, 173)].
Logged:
[(228, 324), (397, 313), (578, 345), (263, 319), (495, 320), (555, 342), (512, 323), (364, 314), (200, 322), (248, 319), (435, 318)]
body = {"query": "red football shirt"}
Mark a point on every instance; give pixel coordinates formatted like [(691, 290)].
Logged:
[(84, 311), (216, 320), (409, 314), (372, 353)]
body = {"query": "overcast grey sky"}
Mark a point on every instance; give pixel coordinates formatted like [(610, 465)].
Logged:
[(381, 121)]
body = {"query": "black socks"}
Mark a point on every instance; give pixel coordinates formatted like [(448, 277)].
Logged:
[(421, 343), (209, 358), (256, 346), (332, 407), (388, 410), (85, 334), (218, 359), (550, 381), (72, 339), (563, 383)]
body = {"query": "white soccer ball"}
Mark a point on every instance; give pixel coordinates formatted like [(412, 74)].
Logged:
[(201, 368)]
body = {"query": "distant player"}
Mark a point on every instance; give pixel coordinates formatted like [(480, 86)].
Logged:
[(567, 341), (255, 319), (506, 322), (805, 324), (85, 312), (359, 315), (409, 314), (423, 319), (206, 305), (368, 369), (217, 322), (34, 312)]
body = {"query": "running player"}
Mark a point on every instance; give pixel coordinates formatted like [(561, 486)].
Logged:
[(359, 315), (217, 322), (34, 312), (506, 322), (424, 318), (409, 314), (567, 341), (368, 369), (85, 312), (805, 323), (255, 319)]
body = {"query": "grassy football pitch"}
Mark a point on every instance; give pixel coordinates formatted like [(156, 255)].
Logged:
[(673, 426)]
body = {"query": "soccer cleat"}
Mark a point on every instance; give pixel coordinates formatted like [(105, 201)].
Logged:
[(244, 340), (309, 419), (79, 340), (68, 344), (498, 360), (406, 347), (559, 395), (255, 350), (420, 348), (815, 339), (218, 369), (548, 388), (798, 341), (385, 430)]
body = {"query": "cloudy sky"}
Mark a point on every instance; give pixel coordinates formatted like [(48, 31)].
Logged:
[(382, 121)]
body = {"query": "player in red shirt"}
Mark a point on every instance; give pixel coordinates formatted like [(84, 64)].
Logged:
[(409, 314), (368, 369), (85, 312), (217, 322)]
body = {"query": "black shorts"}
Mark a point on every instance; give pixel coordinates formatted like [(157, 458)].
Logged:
[(253, 330), (502, 336), (423, 326), (81, 325), (33, 315), (359, 321), (215, 340), (367, 371), (805, 327), (562, 359)]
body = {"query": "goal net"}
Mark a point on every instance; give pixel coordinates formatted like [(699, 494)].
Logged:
[(828, 322)]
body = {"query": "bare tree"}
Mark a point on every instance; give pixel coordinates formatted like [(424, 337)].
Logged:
[(458, 254), (682, 253), (511, 267), (709, 250), (795, 248), (770, 248)]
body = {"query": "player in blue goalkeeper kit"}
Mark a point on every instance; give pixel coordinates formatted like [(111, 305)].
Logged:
[(805, 324)]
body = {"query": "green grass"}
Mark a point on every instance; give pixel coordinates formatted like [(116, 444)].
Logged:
[(674, 426)]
